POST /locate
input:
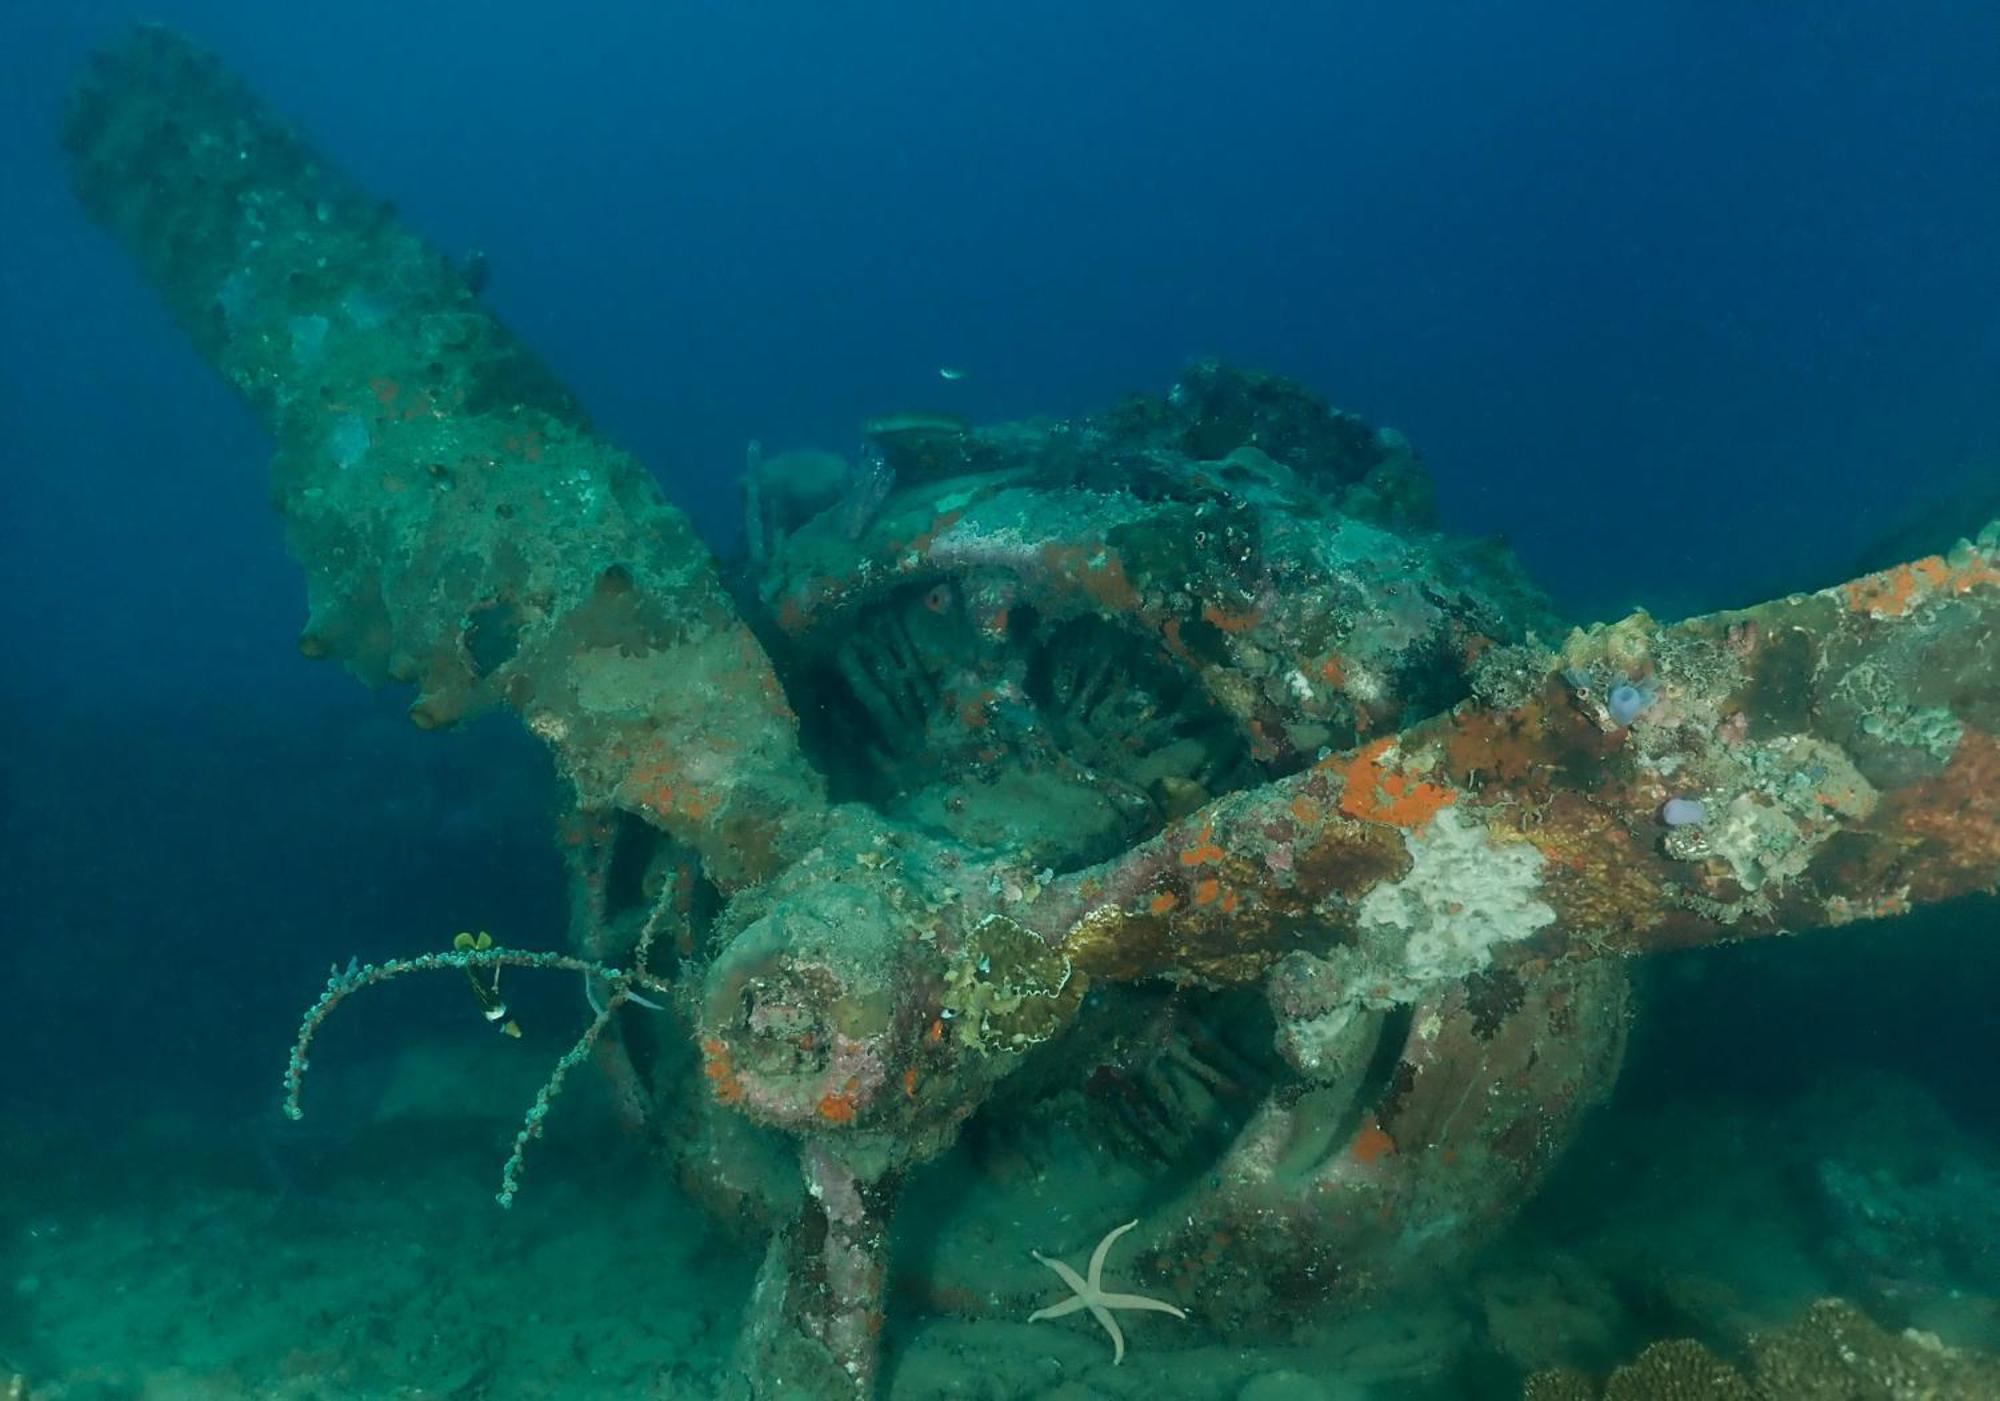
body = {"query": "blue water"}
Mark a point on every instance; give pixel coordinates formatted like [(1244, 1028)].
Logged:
[(1694, 303)]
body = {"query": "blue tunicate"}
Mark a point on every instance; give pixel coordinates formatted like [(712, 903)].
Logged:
[(1627, 702), (1683, 812)]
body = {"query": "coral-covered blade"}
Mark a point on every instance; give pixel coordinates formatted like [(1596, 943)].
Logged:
[(461, 526)]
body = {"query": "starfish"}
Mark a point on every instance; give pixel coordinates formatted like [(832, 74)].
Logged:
[(1090, 1294)]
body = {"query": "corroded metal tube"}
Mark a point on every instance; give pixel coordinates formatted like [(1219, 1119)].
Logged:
[(461, 527), (1811, 761)]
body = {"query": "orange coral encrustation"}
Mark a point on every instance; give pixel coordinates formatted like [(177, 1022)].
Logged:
[(1894, 592), (720, 1073), (1375, 792)]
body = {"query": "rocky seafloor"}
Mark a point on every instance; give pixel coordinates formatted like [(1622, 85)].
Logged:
[(1789, 1128)]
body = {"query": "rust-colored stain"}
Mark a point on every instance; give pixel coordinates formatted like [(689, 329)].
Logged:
[(1377, 793), (1341, 860), (1097, 571), (1262, 749), (1506, 745), (921, 544), (793, 617), (1371, 1143), (1956, 816), (1222, 618), (1597, 878), (972, 713)]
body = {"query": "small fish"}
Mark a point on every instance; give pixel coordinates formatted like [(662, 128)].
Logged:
[(951, 372), (486, 983)]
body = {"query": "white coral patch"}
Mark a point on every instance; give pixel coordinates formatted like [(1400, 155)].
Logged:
[(1465, 894)]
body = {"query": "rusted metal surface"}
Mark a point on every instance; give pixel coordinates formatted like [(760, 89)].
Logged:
[(1812, 761), (1310, 606), (461, 528), (1185, 695), (1326, 1195)]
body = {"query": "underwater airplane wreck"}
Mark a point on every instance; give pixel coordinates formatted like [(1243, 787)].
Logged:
[(1159, 790)]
